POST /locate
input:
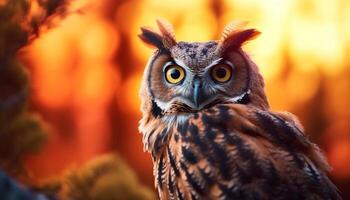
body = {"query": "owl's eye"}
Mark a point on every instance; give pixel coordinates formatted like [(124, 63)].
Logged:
[(174, 74), (221, 73)]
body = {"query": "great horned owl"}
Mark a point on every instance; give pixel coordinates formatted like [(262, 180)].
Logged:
[(207, 123)]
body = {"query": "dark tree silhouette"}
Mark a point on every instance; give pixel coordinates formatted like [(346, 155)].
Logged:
[(22, 132)]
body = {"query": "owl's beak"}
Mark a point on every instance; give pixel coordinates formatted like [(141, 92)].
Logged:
[(197, 90)]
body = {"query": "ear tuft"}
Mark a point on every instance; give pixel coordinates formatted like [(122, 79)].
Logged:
[(167, 32), (151, 37), (235, 35), (231, 28), (163, 40)]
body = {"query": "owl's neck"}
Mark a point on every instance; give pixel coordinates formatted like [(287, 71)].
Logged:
[(157, 130)]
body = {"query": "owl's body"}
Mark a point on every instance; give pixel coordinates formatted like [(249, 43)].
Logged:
[(207, 123)]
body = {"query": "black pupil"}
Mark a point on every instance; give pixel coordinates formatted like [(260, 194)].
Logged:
[(221, 72), (175, 73)]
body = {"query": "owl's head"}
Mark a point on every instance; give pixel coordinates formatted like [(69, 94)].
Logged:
[(186, 77)]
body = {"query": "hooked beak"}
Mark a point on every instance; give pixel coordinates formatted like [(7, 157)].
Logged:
[(197, 95)]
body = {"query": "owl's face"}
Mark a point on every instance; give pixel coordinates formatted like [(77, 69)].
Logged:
[(185, 77), (191, 76)]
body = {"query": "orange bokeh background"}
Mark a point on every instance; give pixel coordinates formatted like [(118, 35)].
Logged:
[(86, 72)]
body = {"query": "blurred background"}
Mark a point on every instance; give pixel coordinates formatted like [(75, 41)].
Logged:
[(86, 72)]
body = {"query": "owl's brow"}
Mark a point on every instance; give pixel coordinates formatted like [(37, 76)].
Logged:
[(168, 63), (177, 62), (182, 64), (215, 62)]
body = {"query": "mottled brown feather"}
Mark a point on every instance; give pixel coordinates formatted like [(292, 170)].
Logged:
[(239, 152)]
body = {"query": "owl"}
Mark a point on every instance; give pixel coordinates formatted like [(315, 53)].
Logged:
[(207, 124)]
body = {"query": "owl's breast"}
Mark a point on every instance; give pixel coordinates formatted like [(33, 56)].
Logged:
[(238, 152)]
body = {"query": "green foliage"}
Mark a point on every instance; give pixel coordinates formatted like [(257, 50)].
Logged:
[(14, 89), (106, 178), (22, 135), (12, 34), (20, 132)]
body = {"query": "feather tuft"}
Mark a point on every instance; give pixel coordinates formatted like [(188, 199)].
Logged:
[(167, 32), (164, 39), (235, 35), (151, 37)]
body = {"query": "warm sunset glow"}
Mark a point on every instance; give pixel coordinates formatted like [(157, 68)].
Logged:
[(340, 151), (86, 72), (128, 97)]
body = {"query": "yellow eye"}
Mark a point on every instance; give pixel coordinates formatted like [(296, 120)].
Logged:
[(174, 74), (221, 73)]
